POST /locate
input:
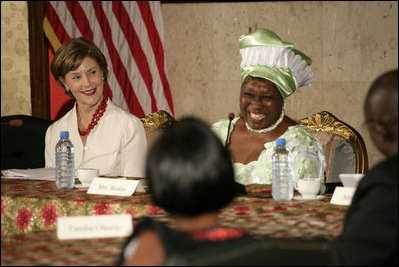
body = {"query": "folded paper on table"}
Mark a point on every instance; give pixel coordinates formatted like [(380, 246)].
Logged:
[(141, 187), (47, 174), (101, 226), (116, 187), (343, 195)]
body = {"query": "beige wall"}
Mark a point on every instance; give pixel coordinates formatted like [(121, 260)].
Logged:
[(15, 76), (350, 44)]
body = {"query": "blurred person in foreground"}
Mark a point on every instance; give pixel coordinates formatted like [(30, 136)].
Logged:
[(370, 234), (190, 175), (105, 136), (271, 70)]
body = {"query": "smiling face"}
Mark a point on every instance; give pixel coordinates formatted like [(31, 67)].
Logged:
[(86, 83), (260, 102)]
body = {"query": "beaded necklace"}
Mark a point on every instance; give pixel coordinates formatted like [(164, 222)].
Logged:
[(96, 116), (268, 129)]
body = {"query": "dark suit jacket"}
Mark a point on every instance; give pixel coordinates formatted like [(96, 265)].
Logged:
[(370, 235)]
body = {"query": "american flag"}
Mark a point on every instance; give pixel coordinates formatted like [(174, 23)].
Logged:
[(130, 35)]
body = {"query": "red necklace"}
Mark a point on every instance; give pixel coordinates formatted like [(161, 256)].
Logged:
[(218, 234), (96, 116)]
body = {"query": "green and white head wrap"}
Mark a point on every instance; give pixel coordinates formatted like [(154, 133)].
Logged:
[(265, 55)]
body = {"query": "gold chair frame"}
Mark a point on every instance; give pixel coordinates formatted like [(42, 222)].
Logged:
[(158, 120), (155, 123), (326, 122)]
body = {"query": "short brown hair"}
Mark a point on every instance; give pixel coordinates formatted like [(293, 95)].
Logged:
[(71, 54)]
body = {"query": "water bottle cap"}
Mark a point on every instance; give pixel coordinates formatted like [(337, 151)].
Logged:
[(64, 134), (280, 142)]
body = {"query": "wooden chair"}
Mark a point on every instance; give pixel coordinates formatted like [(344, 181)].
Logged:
[(155, 123), (343, 146)]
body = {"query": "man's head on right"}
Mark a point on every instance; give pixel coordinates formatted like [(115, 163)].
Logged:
[(381, 112)]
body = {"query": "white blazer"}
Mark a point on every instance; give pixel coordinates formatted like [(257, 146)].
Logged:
[(117, 145)]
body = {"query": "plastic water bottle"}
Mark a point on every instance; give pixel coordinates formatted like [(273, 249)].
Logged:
[(282, 185), (64, 162)]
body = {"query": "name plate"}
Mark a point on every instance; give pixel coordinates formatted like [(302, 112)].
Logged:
[(101, 226), (343, 195), (115, 187)]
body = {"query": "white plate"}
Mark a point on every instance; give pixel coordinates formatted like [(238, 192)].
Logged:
[(319, 197), (81, 186)]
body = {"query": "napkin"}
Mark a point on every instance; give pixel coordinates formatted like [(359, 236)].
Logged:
[(30, 174)]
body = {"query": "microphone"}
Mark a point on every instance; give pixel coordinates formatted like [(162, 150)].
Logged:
[(14, 123), (231, 117)]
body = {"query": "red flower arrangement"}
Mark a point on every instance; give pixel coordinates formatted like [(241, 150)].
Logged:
[(102, 208), (23, 218), (49, 214)]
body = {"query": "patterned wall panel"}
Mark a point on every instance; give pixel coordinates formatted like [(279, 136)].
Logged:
[(15, 77)]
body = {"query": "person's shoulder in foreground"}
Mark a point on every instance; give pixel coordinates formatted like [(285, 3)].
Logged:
[(370, 235)]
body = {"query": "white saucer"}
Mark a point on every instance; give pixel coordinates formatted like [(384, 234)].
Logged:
[(319, 197), (82, 186)]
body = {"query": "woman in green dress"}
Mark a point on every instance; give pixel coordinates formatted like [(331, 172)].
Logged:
[(271, 70)]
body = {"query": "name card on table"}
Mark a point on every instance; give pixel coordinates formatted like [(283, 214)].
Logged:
[(115, 187), (101, 226), (343, 195)]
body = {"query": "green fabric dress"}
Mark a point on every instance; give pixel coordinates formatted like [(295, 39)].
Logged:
[(260, 171)]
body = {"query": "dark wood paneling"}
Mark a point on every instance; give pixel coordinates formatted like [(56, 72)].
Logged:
[(38, 58)]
